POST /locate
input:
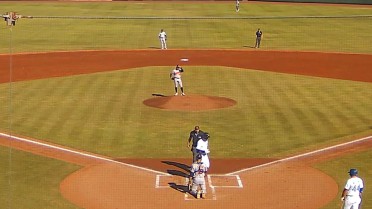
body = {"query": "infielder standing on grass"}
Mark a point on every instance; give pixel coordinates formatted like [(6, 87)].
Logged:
[(237, 6), (258, 38), (352, 193), (197, 177), (163, 39), (175, 75)]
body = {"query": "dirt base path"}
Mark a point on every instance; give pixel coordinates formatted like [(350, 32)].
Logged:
[(44, 65), (159, 183)]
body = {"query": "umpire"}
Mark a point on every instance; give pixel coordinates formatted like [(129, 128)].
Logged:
[(194, 137), (258, 38)]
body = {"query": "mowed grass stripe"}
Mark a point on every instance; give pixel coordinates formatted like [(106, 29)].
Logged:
[(35, 178), (30, 107), (290, 33), (307, 116), (344, 108), (359, 108), (315, 118), (276, 114), (295, 34)]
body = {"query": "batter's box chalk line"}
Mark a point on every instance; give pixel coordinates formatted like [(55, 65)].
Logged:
[(213, 181), (158, 178), (225, 181)]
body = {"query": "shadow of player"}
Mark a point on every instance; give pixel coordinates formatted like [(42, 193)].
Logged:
[(246, 46), (178, 165), (180, 188), (178, 173), (158, 95), (184, 173)]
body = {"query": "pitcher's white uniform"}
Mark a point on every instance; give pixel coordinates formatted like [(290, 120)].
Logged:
[(163, 39), (175, 75)]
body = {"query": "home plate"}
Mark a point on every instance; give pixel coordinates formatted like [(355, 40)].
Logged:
[(184, 60)]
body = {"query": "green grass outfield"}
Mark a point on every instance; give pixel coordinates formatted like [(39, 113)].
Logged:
[(283, 25), (277, 114)]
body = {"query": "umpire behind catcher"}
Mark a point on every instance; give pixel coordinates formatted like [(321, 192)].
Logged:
[(194, 137)]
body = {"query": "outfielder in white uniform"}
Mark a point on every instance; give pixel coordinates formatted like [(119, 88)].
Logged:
[(202, 148), (237, 6), (352, 193), (163, 39), (175, 75), (197, 177)]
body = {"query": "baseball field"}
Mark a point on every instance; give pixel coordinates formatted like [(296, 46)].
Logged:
[(88, 117)]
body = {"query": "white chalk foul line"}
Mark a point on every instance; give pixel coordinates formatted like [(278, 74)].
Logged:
[(166, 174), (301, 155), (105, 159)]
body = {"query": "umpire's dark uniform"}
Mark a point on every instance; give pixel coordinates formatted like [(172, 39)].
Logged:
[(195, 135), (258, 38)]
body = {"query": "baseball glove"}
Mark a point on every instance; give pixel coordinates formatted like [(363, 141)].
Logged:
[(181, 70)]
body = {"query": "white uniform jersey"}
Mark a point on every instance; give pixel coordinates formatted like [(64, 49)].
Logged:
[(162, 35), (202, 145), (198, 170), (176, 73), (354, 185)]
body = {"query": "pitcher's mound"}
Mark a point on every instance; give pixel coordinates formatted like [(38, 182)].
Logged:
[(189, 102)]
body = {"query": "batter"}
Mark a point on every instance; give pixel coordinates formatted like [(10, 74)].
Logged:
[(202, 148)]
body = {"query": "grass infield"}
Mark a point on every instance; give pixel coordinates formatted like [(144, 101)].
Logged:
[(276, 114)]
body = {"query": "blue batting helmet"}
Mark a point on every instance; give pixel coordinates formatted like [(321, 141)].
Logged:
[(199, 157), (205, 135), (353, 172)]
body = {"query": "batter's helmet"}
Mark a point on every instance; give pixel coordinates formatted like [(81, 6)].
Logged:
[(206, 135), (199, 157), (353, 172)]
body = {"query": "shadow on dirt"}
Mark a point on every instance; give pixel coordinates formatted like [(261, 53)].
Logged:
[(183, 173), (178, 173), (180, 188), (158, 95), (178, 165)]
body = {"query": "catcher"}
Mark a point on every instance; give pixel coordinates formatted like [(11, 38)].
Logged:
[(175, 75), (197, 178)]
